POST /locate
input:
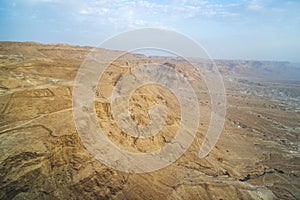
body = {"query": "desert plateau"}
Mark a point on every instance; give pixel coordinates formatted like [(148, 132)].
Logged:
[(42, 155)]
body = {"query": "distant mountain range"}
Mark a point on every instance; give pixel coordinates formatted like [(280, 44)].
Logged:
[(268, 70)]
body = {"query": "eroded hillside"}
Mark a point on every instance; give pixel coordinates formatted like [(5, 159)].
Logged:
[(43, 157)]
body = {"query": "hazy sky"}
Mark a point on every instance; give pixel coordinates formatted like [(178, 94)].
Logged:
[(263, 30)]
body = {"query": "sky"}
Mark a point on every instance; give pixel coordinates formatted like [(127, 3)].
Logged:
[(228, 29)]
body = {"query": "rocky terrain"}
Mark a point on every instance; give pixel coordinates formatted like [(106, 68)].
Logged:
[(43, 157)]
